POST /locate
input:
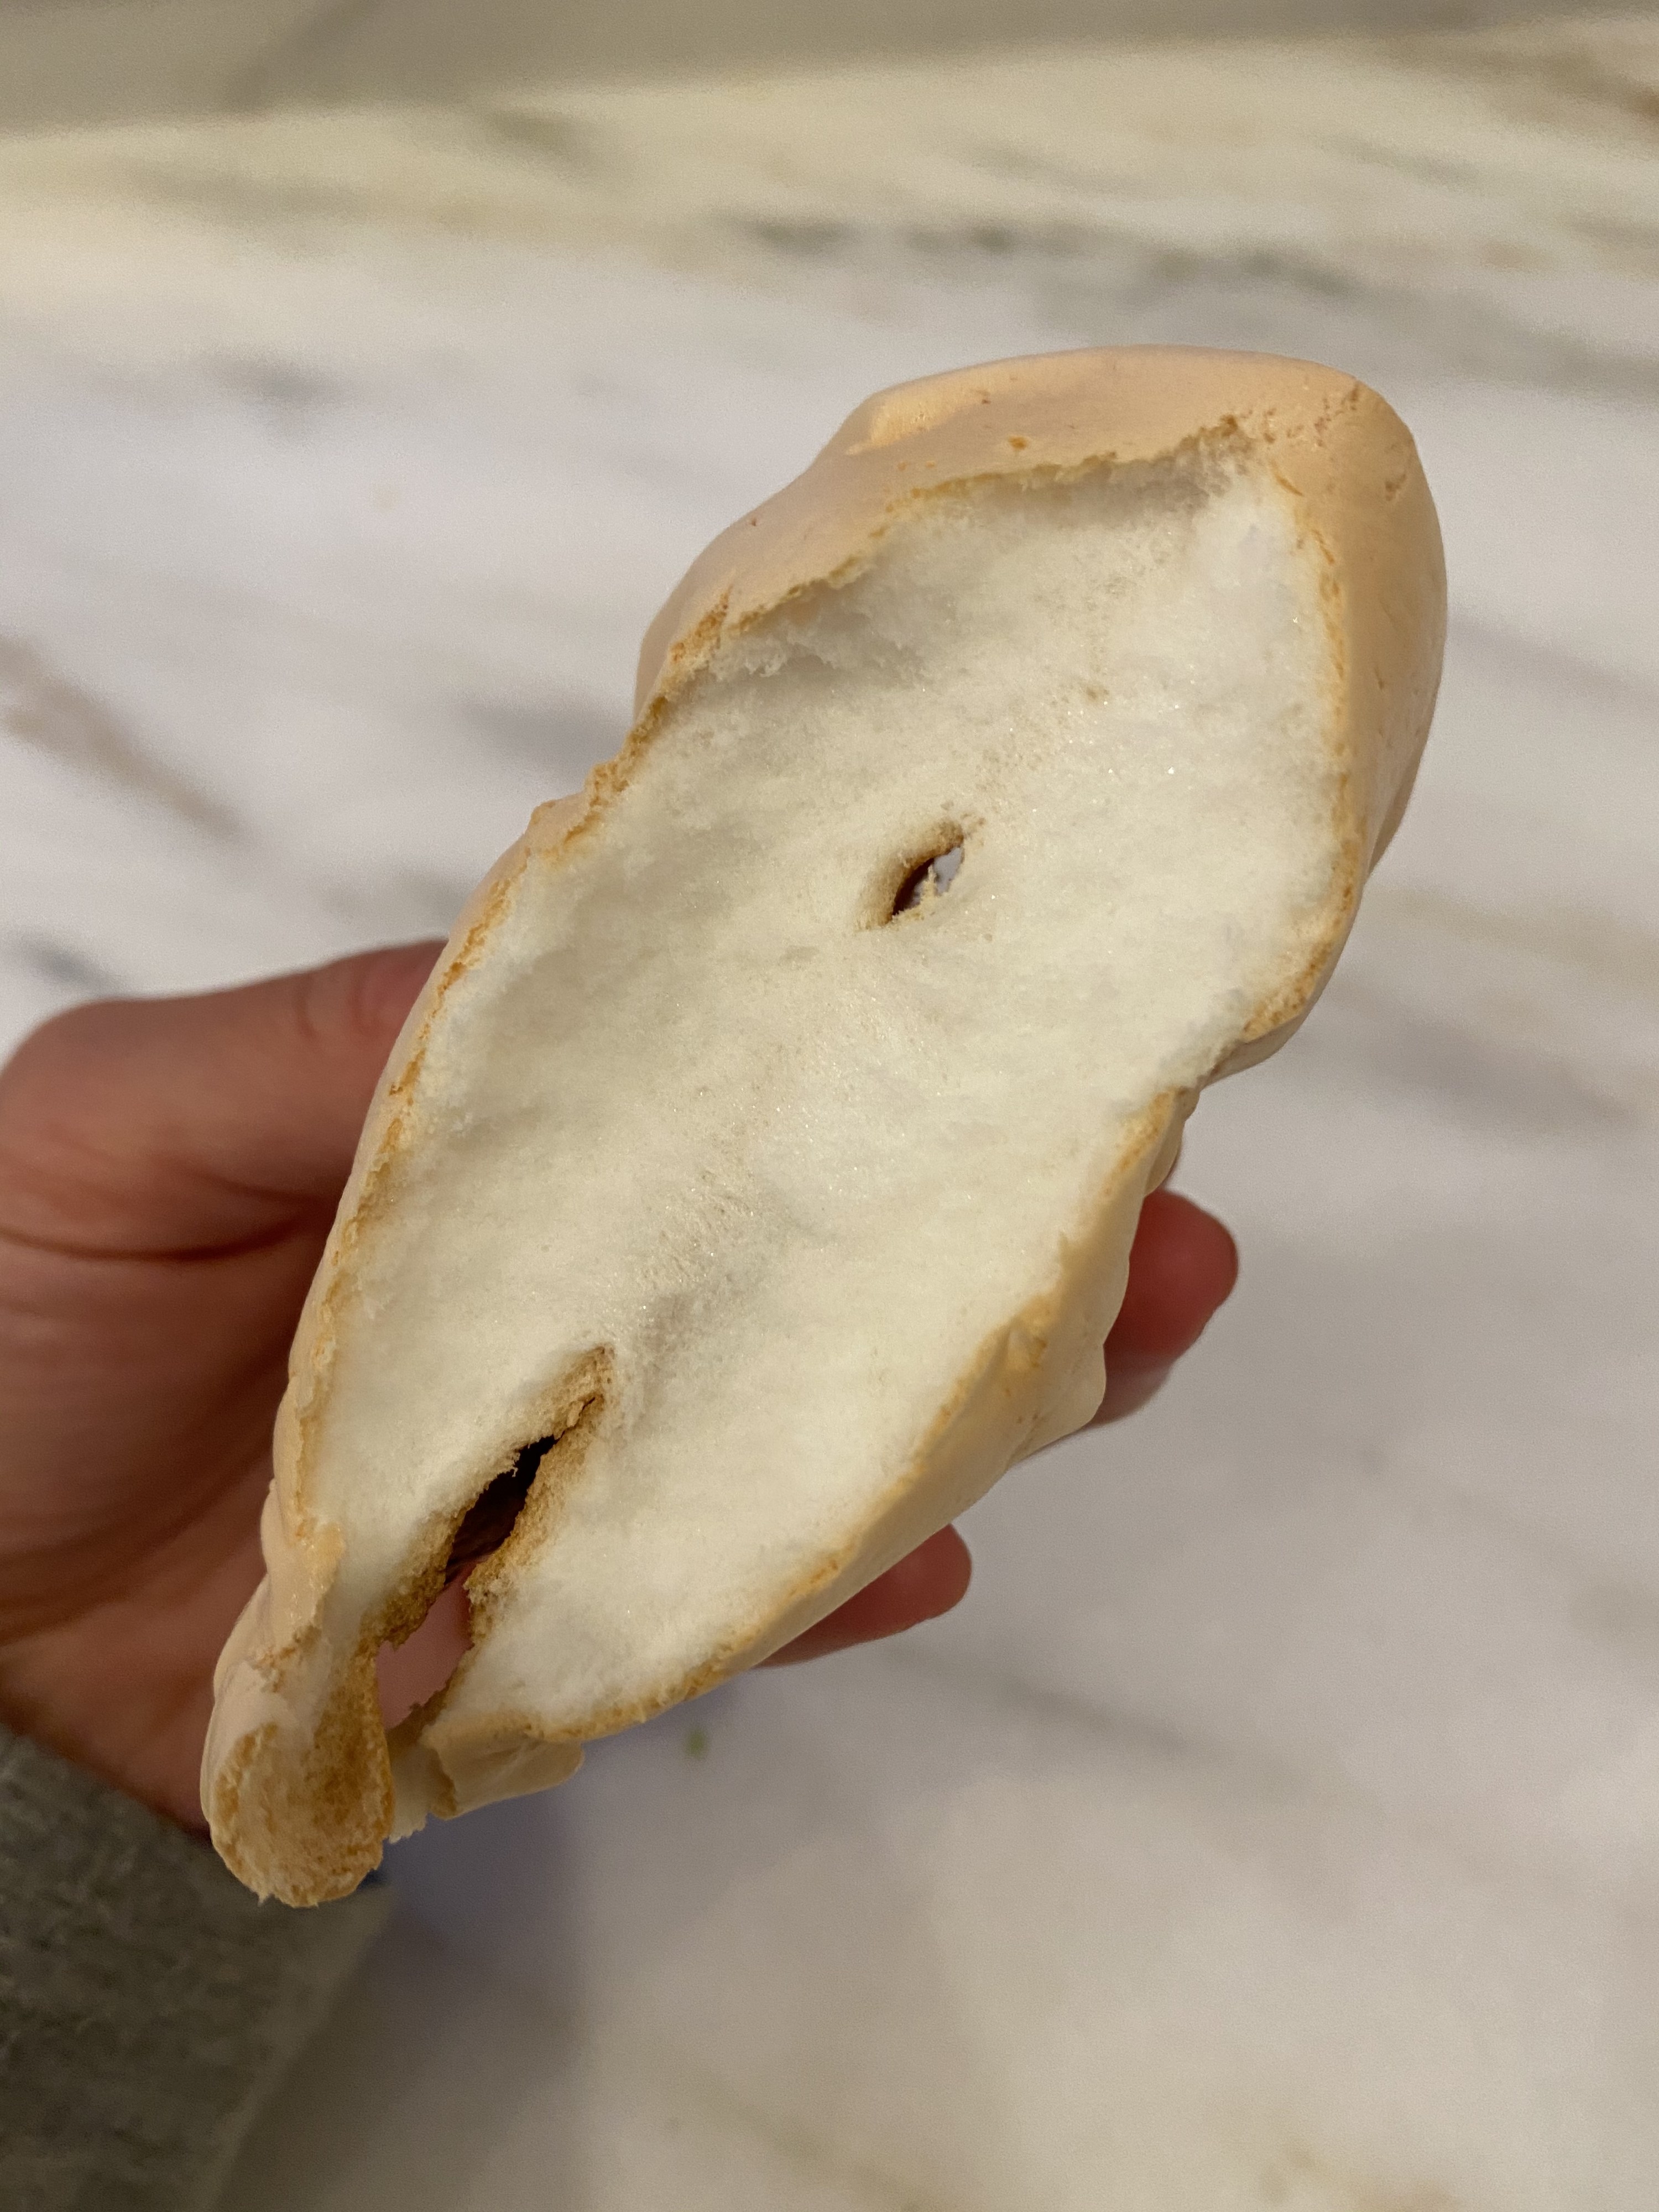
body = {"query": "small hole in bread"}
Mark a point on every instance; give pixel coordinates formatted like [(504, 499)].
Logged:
[(489, 1520), (414, 1670), (406, 1674), (928, 880)]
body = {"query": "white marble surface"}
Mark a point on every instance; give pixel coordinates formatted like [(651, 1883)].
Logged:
[(1276, 1828), (98, 61)]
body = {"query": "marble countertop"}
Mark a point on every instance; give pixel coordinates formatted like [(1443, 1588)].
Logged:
[(1276, 1827)]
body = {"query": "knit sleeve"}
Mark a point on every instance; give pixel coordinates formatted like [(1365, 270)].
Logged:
[(148, 2005)]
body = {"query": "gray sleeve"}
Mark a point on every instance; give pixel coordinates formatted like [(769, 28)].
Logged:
[(149, 2004)]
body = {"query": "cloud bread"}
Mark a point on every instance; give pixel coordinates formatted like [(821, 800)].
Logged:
[(754, 1181)]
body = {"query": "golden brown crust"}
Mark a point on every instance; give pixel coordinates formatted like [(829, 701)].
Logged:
[(1342, 453), (298, 1798)]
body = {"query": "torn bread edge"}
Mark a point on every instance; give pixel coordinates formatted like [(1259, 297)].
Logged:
[(298, 1774)]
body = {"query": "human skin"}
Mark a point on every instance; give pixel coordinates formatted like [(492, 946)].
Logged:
[(168, 1171)]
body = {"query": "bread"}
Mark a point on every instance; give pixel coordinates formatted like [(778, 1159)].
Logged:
[(747, 1191)]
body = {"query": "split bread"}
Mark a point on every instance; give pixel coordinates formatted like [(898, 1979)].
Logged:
[(754, 1180)]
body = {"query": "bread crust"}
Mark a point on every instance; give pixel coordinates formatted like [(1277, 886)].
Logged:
[(297, 1777)]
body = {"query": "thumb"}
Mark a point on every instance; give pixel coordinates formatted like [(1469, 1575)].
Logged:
[(138, 1125)]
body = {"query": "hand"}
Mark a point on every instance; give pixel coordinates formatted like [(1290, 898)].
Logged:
[(168, 1171)]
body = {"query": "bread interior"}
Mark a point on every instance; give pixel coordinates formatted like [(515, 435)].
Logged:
[(801, 1072)]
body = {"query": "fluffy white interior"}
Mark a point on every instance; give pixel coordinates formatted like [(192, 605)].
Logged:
[(791, 1164)]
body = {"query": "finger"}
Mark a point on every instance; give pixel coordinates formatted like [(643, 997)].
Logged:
[(189, 1123), (929, 1582), (1183, 1265), (1183, 1268)]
